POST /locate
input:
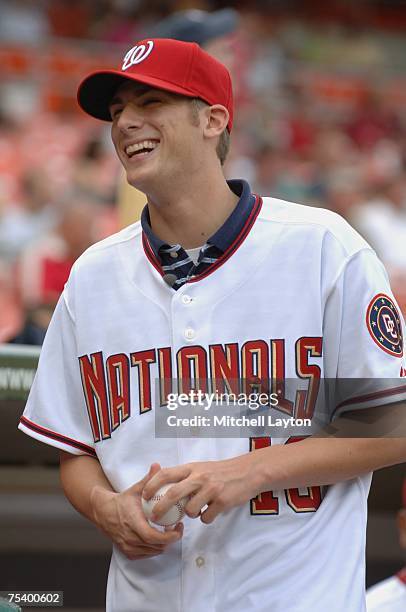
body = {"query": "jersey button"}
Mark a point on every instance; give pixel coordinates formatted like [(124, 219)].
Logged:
[(200, 561), (186, 299), (190, 333)]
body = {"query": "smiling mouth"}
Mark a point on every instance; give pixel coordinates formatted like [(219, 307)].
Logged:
[(141, 149)]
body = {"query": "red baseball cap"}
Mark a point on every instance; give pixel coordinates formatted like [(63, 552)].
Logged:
[(173, 65)]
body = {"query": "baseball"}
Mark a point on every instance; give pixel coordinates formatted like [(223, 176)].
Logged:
[(174, 514)]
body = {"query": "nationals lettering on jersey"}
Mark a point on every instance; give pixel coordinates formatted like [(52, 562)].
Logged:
[(255, 365)]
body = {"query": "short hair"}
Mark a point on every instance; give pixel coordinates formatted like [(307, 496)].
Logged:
[(223, 145)]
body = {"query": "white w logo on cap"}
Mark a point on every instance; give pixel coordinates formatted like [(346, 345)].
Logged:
[(137, 54)]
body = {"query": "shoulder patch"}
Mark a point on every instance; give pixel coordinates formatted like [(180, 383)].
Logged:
[(383, 322)]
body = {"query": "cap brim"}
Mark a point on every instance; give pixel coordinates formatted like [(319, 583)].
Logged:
[(97, 90)]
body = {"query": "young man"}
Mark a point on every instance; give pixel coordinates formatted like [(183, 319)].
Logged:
[(215, 283), (213, 31)]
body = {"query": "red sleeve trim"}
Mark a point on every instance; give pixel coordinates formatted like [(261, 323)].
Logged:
[(58, 437), (371, 396)]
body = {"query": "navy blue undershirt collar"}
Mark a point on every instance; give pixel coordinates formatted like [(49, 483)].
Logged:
[(224, 236)]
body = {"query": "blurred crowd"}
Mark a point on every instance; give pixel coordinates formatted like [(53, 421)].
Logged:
[(321, 120)]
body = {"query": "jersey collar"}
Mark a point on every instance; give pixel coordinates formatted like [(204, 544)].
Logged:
[(224, 236)]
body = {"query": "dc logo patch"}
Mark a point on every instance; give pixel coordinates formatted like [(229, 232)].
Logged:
[(137, 54), (383, 321)]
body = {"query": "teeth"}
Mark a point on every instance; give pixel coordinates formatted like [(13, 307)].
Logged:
[(139, 146)]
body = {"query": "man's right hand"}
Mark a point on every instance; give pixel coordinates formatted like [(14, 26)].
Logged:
[(121, 517)]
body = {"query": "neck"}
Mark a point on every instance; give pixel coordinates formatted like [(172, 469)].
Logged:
[(189, 217)]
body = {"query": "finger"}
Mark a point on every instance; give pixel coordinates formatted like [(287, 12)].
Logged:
[(138, 486), (154, 469), (163, 477), (178, 527), (197, 503), (209, 515), (207, 495), (152, 535), (178, 491)]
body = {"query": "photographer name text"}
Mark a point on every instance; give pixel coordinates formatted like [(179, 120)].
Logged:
[(259, 420)]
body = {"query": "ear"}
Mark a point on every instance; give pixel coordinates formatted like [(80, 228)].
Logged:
[(215, 120)]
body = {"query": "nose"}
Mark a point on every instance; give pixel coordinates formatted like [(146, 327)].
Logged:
[(130, 118)]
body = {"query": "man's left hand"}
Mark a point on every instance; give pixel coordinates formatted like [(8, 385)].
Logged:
[(219, 485)]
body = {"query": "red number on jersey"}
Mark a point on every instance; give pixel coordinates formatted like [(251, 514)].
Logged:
[(268, 503)]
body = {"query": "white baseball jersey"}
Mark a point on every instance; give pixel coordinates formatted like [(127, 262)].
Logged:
[(388, 595), (303, 295)]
